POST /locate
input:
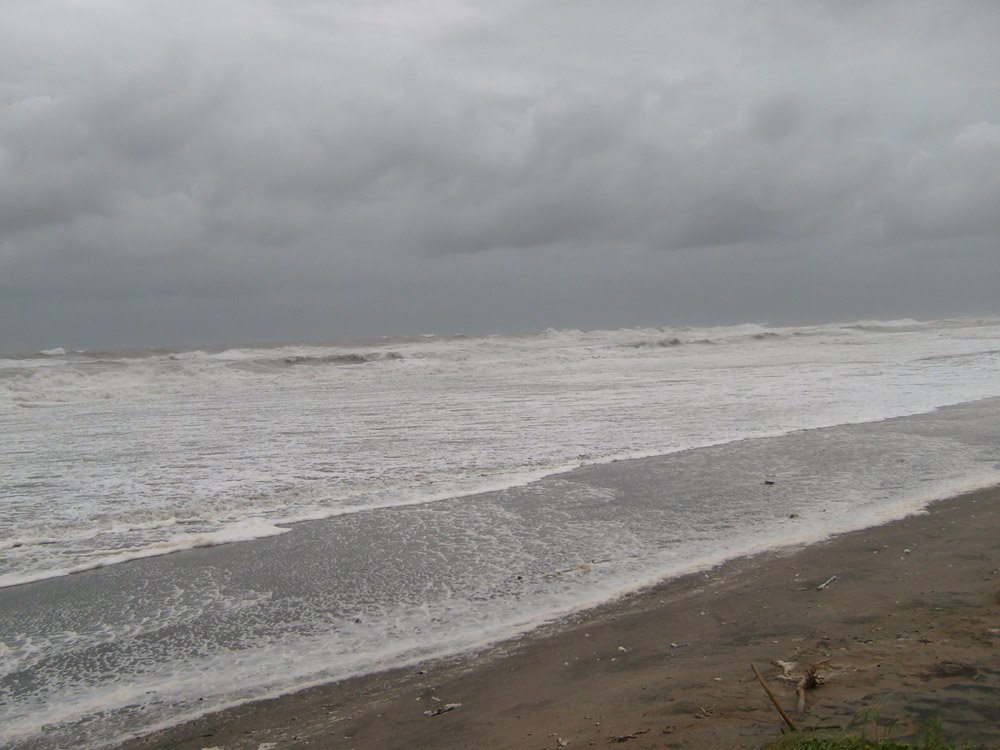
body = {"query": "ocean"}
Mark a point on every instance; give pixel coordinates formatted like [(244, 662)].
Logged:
[(187, 529)]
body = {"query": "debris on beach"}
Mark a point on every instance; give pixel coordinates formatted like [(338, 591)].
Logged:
[(808, 680), (774, 700), (787, 667), (443, 709), (626, 737), (826, 583)]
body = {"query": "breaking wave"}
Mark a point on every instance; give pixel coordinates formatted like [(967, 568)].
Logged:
[(341, 359)]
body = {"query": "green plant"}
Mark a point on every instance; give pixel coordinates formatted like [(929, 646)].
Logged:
[(932, 738)]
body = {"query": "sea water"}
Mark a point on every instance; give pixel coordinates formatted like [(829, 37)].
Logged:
[(415, 497)]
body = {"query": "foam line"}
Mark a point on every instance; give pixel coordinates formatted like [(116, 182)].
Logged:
[(241, 531)]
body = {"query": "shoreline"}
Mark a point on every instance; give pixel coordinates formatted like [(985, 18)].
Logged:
[(911, 621)]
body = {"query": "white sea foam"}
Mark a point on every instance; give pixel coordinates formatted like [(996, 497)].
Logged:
[(392, 580), (120, 447), (315, 659), (239, 531)]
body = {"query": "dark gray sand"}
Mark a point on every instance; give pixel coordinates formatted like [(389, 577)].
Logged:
[(911, 624)]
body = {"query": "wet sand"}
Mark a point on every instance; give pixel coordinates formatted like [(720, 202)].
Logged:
[(910, 624)]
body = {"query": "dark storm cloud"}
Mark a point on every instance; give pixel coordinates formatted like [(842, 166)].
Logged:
[(358, 152)]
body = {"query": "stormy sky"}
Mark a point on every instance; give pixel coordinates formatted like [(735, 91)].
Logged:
[(182, 172)]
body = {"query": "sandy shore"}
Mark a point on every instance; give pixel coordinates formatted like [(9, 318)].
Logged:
[(911, 624)]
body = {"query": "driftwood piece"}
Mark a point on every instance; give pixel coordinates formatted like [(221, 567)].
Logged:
[(808, 681), (777, 706), (443, 709), (626, 737)]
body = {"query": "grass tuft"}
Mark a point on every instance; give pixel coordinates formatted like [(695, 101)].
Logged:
[(932, 738)]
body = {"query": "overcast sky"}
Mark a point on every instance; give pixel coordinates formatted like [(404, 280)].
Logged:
[(182, 171)]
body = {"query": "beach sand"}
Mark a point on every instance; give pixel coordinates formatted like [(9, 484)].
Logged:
[(911, 624)]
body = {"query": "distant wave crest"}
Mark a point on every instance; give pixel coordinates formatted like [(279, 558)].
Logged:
[(342, 359)]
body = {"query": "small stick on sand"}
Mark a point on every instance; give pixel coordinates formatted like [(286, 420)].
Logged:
[(781, 711), (443, 709)]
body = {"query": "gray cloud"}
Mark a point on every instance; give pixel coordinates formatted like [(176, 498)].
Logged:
[(409, 162)]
